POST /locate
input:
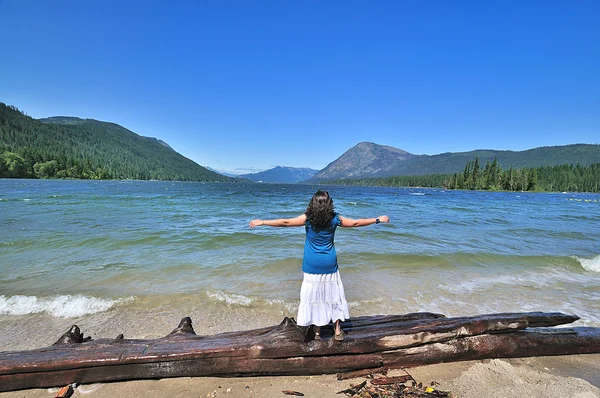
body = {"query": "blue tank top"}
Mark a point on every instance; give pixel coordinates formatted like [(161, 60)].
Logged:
[(319, 252)]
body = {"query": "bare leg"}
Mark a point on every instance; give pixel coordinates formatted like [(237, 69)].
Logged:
[(338, 329), (338, 333), (317, 330)]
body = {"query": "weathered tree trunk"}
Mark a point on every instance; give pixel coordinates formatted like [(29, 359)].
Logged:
[(286, 349)]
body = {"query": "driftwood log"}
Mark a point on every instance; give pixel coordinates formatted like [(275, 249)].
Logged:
[(371, 342)]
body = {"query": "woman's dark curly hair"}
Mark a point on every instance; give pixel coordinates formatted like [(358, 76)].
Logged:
[(320, 209)]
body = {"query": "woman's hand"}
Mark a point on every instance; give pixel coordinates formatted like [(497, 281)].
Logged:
[(384, 219), (256, 223)]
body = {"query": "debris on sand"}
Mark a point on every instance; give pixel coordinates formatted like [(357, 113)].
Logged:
[(394, 387)]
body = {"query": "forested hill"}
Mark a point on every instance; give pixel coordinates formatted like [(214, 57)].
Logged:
[(75, 121), (582, 154), (68, 147)]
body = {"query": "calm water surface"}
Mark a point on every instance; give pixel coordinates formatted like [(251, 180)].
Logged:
[(135, 257)]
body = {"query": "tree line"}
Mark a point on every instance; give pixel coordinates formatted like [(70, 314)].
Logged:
[(566, 177), (492, 177)]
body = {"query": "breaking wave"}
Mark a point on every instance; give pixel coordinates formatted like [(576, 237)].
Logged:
[(591, 264), (230, 298), (64, 306)]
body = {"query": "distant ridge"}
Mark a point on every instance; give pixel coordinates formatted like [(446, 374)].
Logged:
[(70, 147), (223, 173), (446, 163), (279, 174), (372, 160)]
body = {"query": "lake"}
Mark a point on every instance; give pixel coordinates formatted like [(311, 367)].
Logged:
[(134, 257)]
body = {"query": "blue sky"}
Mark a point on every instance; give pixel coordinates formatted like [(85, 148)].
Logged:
[(248, 85)]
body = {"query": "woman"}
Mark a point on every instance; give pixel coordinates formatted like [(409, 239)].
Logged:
[(322, 297)]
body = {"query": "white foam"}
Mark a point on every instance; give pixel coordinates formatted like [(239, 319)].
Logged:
[(65, 306), (591, 264), (290, 307), (230, 298), (361, 303)]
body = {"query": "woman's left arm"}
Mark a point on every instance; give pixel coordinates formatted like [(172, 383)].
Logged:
[(362, 222), (280, 222)]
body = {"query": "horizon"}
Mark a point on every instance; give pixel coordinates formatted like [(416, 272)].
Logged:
[(243, 87)]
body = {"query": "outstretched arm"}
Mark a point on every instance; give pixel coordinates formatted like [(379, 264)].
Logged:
[(362, 222), (280, 222)]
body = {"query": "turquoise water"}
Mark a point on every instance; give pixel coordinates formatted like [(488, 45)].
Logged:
[(135, 255)]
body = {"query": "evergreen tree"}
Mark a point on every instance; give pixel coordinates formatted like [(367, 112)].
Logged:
[(475, 175), (495, 172)]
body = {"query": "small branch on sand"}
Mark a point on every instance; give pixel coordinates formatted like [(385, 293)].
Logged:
[(368, 373)]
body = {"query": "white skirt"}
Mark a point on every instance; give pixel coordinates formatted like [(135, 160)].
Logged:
[(322, 300)]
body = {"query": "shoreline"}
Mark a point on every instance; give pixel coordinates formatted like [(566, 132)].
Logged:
[(575, 376)]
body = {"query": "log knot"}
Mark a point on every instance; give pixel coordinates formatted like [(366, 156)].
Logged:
[(287, 330), (72, 336), (185, 328)]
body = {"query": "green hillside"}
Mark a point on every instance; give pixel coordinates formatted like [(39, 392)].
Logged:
[(445, 163), (67, 147)]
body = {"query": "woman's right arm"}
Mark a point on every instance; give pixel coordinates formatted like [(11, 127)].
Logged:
[(280, 222), (362, 222)]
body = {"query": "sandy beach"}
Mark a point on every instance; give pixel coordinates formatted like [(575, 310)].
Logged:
[(573, 376)]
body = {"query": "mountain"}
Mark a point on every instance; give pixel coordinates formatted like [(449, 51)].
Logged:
[(70, 147), (372, 160), (364, 159), (285, 175)]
